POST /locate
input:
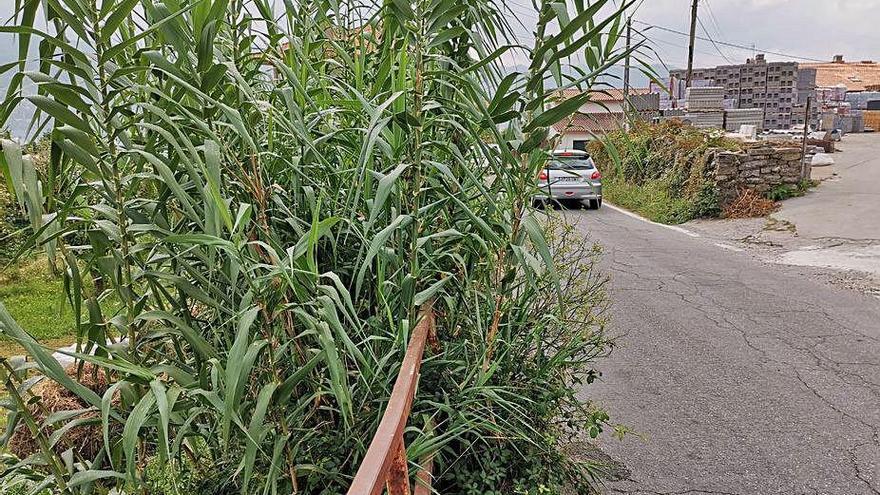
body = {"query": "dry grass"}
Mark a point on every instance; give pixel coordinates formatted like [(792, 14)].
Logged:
[(85, 439), (749, 204)]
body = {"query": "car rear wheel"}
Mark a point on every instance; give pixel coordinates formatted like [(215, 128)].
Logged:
[(594, 204)]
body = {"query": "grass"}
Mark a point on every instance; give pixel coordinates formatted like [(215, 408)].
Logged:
[(36, 300), (650, 200)]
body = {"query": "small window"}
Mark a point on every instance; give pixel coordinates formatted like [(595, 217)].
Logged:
[(579, 144)]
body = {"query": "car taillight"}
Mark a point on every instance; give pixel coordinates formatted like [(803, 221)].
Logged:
[(596, 175), (543, 176)]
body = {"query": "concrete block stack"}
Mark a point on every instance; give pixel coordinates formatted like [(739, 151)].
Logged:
[(705, 120), (703, 99), (705, 106), (737, 117), (778, 88), (860, 100), (831, 96)]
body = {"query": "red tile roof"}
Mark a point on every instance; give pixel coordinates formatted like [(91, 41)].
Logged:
[(590, 122), (854, 75), (609, 94)]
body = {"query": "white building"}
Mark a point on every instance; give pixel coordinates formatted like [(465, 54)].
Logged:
[(602, 113)]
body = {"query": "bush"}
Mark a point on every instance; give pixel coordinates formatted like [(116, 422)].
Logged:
[(251, 215), (749, 204), (662, 170)]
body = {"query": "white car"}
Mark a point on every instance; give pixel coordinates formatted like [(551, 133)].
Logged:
[(570, 175)]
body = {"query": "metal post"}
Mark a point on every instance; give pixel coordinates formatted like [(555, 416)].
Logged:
[(691, 45), (626, 106), (804, 144)]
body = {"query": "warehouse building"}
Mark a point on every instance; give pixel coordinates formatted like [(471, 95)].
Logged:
[(854, 76)]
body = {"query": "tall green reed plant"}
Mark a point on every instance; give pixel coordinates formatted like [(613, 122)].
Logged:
[(267, 194)]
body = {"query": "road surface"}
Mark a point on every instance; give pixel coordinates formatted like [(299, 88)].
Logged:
[(844, 208), (735, 376)]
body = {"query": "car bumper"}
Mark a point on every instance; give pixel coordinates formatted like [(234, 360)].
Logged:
[(560, 192)]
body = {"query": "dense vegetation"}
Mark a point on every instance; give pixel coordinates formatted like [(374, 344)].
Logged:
[(248, 208), (31, 290), (661, 171)]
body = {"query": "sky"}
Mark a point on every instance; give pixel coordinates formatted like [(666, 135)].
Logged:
[(812, 29)]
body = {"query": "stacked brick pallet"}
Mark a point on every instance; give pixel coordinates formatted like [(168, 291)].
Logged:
[(737, 117), (710, 98), (779, 89), (705, 106)]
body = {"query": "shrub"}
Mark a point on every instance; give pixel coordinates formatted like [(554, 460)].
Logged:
[(251, 212), (670, 158), (749, 204)]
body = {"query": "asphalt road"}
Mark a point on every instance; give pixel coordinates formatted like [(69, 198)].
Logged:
[(736, 377), (844, 208)]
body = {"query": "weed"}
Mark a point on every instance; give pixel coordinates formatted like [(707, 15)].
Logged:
[(662, 171), (783, 192), (749, 204), (786, 191)]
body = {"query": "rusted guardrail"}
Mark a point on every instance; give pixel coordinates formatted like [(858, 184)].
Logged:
[(385, 464)]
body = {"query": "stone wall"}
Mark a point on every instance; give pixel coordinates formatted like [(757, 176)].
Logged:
[(761, 168)]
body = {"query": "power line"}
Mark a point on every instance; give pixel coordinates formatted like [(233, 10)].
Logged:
[(732, 45), (713, 18), (713, 41), (677, 45)]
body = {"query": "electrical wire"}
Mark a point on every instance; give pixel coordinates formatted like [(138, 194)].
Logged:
[(726, 43), (713, 41), (677, 45), (713, 18)]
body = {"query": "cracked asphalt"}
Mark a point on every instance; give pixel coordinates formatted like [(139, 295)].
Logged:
[(734, 376)]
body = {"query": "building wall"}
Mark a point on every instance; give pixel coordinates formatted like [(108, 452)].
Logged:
[(640, 103), (568, 140), (594, 107)]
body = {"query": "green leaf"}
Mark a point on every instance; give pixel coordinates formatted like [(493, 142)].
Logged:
[(200, 345), (47, 364), (120, 13), (377, 243), (59, 112), (131, 431), (255, 433), (90, 476), (554, 114)]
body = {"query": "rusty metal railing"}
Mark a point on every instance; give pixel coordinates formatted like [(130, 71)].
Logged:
[(385, 465)]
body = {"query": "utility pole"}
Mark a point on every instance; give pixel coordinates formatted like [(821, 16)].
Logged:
[(804, 144), (691, 45), (626, 106)]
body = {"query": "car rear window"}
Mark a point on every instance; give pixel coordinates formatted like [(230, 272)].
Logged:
[(573, 163)]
